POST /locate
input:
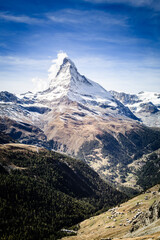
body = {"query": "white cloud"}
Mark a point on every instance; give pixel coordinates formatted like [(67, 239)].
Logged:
[(19, 19), (67, 16), (39, 84), (43, 84), (133, 2), (56, 63), (72, 16), (137, 3)]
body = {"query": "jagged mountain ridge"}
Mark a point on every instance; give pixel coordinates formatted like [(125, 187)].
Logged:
[(145, 105), (82, 119)]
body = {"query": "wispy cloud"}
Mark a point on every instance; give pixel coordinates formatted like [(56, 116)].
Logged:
[(133, 2), (21, 63), (67, 16), (137, 3), (19, 74), (39, 84), (19, 18), (2, 44), (72, 16)]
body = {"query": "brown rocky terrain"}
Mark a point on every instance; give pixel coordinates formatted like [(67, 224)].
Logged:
[(108, 144)]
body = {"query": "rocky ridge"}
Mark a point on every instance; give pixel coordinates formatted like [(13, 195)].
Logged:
[(143, 219)]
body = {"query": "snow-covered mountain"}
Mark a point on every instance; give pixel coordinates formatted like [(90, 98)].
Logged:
[(69, 85), (68, 82), (145, 105), (66, 86), (79, 117)]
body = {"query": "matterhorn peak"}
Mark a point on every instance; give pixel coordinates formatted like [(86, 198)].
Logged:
[(67, 67), (67, 62), (64, 73), (67, 82), (61, 61)]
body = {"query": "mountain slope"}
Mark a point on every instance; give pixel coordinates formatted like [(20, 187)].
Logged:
[(149, 171), (23, 132), (42, 192)]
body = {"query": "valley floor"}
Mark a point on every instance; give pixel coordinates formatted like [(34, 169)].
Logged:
[(117, 222)]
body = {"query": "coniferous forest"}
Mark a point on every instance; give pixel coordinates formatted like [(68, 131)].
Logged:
[(43, 192)]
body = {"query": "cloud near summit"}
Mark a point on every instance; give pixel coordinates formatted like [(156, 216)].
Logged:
[(56, 63)]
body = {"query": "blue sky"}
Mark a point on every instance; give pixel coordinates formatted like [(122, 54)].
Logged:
[(113, 42)]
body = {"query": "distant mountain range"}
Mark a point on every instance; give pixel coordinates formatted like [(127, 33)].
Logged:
[(145, 105), (107, 130)]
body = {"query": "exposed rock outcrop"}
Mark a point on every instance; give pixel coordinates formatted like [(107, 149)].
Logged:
[(146, 218)]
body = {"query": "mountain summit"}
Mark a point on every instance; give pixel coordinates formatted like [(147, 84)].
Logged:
[(67, 84)]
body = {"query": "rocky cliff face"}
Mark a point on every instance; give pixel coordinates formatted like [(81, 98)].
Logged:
[(147, 217)]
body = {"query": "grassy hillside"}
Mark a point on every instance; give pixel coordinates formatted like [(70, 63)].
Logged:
[(42, 192), (118, 223)]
